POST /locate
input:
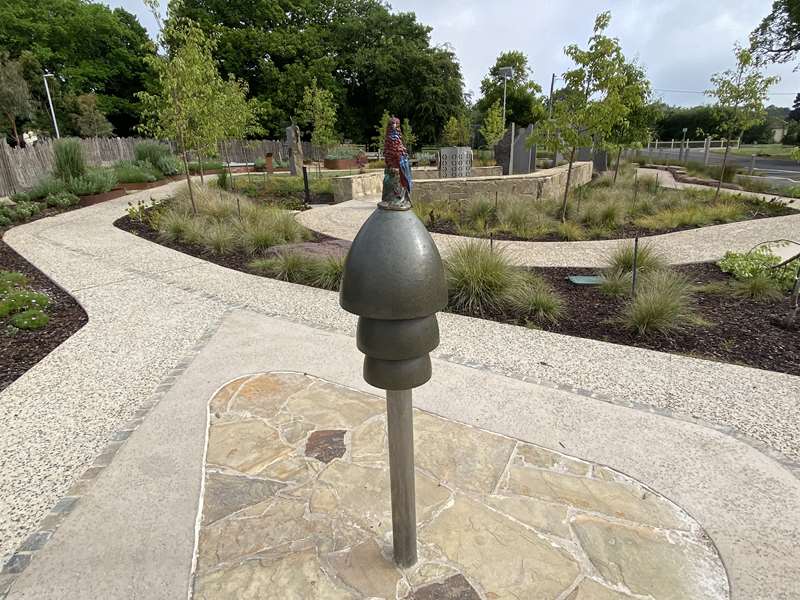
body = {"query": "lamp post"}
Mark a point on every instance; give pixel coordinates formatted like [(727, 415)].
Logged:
[(507, 73), (50, 102)]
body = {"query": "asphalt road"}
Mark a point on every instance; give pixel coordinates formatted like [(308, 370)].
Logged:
[(780, 172)]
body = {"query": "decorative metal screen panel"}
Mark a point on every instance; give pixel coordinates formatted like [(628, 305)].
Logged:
[(455, 161)]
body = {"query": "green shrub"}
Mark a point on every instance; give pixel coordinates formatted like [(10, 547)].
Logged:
[(208, 165), (758, 287), (534, 301), (21, 197), (616, 282), (5, 217), (756, 263), (128, 171), (259, 163), (648, 259), (662, 304), (62, 200), (159, 156), (571, 231), (479, 279), (96, 181), (69, 162), (258, 234), (222, 180), (344, 152), (22, 300), (293, 267), (327, 273), (219, 237), (30, 319), (173, 225), (10, 280), (46, 187)]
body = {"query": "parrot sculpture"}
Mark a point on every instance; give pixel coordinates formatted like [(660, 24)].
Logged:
[(397, 162)]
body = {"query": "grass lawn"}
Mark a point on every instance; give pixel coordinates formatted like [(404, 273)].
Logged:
[(771, 150), (599, 210)]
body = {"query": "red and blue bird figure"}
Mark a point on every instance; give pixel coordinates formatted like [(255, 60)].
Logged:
[(395, 154)]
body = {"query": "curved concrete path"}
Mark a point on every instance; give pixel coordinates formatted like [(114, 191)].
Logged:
[(163, 325), (693, 245)]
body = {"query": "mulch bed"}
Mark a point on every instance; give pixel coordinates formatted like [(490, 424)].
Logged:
[(20, 351), (739, 331)]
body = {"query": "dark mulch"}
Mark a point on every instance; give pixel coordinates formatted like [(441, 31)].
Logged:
[(739, 331), (20, 351)]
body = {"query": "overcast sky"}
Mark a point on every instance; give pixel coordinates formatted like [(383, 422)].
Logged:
[(680, 42)]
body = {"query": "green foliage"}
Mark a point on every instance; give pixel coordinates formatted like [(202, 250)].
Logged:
[(409, 137), (128, 171), (758, 263), (318, 110), (96, 181), (379, 131), (90, 47), (62, 199), (30, 319), (10, 280), (648, 259), (15, 98), (571, 231), (222, 180), (534, 301), (327, 273), (68, 158), (344, 151), (18, 301), (456, 132), (89, 120), (294, 267), (759, 287), (523, 102), (662, 304), (777, 38), (479, 279), (159, 156), (493, 127), (616, 282)]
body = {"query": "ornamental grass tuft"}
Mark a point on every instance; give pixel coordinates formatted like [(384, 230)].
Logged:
[(479, 278), (662, 304)]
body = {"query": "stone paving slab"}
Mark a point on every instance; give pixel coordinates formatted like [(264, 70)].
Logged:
[(681, 247), (294, 509)]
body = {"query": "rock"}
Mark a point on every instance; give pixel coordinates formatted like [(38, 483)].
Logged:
[(326, 444), (452, 588), (245, 446), (367, 570), (225, 494)]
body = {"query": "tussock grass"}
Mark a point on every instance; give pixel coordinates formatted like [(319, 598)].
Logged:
[(479, 279), (621, 259), (535, 302), (662, 304), (759, 287)]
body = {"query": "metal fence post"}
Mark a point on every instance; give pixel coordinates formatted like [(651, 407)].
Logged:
[(706, 149)]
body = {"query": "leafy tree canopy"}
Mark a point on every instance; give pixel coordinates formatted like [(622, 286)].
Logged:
[(14, 94), (89, 121), (89, 47), (493, 128), (777, 38), (523, 102), (369, 58), (318, 110)]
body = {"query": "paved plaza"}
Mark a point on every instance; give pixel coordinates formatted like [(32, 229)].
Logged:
[(104, 445)]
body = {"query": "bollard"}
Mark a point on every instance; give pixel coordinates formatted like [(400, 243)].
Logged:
[(394, 281)]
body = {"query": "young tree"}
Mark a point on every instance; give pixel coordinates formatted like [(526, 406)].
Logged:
[(236, 115), (456, 132), (493, 127), (89, 121), (318, 110), (523, 102), (186, 106), (380, 131), (14, 94), (409, 137), (638, 117), (740, 94), (592, 101), (777, 38)]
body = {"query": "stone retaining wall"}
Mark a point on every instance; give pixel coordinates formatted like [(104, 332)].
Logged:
[(547, 183), (427, 185)]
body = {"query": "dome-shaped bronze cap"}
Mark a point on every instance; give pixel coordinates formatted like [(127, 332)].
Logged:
[(393, 270)]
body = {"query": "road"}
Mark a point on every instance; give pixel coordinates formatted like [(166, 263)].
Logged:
[(778, 171)]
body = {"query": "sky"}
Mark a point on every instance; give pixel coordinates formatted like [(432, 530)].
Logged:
[(681, 43)]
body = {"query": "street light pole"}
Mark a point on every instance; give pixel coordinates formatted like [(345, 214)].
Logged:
[(50, 102), (552, 84), (683, 146), (506, 72)]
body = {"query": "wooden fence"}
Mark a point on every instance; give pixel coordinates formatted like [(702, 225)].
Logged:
[(21, 168)]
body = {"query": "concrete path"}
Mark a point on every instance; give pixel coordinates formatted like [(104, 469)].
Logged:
[(714, 438), (682, 247)]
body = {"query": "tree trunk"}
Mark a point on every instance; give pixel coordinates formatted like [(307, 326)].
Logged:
[(566, 187), (616, 169), (722, 172), (13, 122), (189, 181), (200, 162)]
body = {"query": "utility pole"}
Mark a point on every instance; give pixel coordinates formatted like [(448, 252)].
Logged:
[(50, 102), (550, 102), (506, 72)]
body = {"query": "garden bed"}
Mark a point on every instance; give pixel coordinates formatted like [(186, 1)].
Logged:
[(731, 329), (23, 349)]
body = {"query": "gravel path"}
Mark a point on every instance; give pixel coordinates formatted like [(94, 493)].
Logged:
[(682, 247), (148, 306)]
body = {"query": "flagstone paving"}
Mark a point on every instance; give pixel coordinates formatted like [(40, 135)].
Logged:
[(308, 516)]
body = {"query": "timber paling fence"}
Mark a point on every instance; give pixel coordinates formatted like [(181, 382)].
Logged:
[(22, 168)]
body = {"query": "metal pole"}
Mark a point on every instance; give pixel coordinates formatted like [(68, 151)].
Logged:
[(400, 425), (752, 163), (552, 84), (706, 148), (505, 81), (50, 102), (511, 155), (305, 186)]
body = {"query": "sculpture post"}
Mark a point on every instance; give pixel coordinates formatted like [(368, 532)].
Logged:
[(394, 281)]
